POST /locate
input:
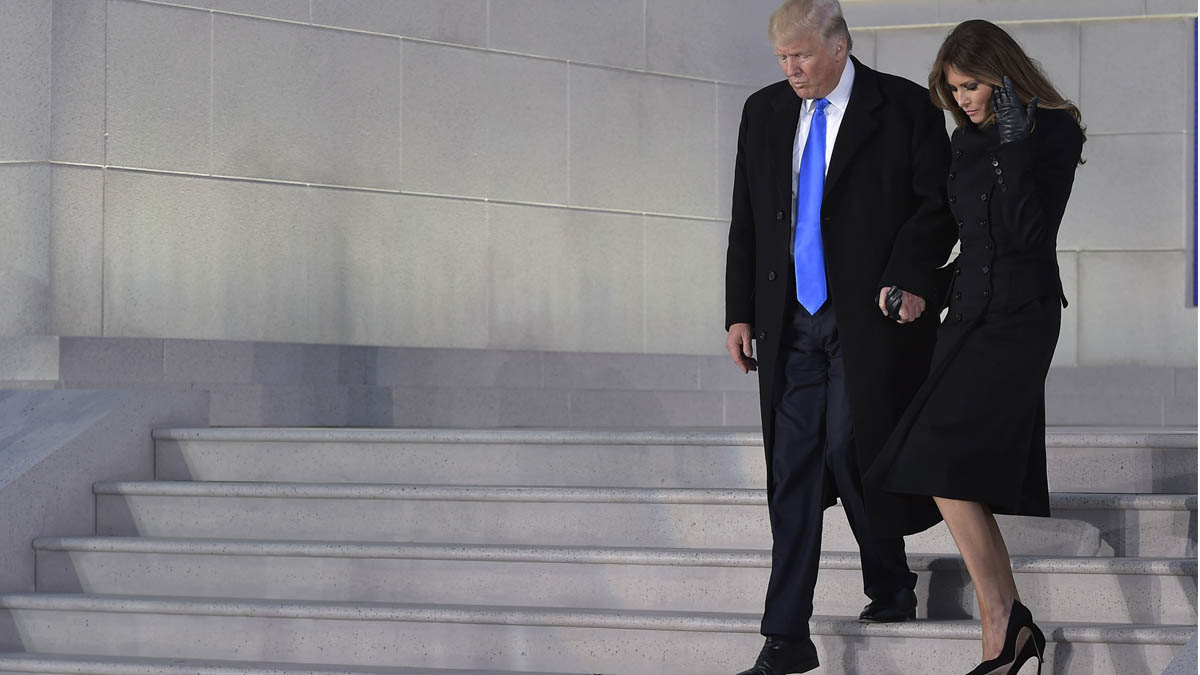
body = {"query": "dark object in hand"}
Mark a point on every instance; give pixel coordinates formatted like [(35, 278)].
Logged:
[(895, 298), (1013, 120)]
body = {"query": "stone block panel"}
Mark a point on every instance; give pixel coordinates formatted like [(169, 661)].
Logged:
[(1147, 84), (525, 151), (711, 39), (398, 270), (621, 371), (909, 52), (77, 81), (25, 191), (25, 70), (414, 368), (1055, 46), (474, 407), (77, 251), (484, 124), (292, 10), (305, 104), (642, 143), (1130, 195), (455, 21), (597, 408), (685, 286), (158, 105), (29, 358), (1134, 308), (105, 362), (604, 32), (564, 280)]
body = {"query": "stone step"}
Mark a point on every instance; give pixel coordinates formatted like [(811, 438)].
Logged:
[(64, 664), (1085, 524), (1079, 460), (529, 638), (1109, 590)]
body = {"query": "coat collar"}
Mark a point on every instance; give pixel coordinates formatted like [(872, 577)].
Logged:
[(858, 123)]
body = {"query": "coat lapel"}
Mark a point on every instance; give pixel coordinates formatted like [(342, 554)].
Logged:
[(858, 123)]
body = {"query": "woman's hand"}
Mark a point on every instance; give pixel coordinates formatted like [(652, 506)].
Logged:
[(1012, 119)]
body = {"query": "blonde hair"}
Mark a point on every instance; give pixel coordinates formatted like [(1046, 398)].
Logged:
[(796, 16)]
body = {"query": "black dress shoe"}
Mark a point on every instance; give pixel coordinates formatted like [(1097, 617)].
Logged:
[(900, 607), (780, 656)]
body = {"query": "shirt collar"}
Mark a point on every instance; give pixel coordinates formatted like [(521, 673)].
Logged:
[(840, 96)]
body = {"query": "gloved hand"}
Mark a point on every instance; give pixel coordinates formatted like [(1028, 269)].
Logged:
[(1012, 119)]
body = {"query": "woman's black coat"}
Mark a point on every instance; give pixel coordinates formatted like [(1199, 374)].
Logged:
[(976, 429)]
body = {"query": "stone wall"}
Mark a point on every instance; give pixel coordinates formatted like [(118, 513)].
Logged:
[(504, 174)]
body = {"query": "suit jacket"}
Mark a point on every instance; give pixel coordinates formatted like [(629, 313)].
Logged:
[(884, 222)]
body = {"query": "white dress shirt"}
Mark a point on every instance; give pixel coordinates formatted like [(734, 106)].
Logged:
[(838, 99)]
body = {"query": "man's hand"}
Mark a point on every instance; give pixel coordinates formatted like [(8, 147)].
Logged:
[(738, 344), (911, 306)]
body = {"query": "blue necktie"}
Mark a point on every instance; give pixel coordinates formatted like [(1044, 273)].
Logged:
[(810, 184)]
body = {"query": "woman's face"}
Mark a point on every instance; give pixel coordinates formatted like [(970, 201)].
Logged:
[(973, 96)]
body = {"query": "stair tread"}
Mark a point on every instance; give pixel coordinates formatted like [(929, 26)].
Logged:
[(568, 617), (1097, 437), (103, 665), (588, 554), (724, 496)]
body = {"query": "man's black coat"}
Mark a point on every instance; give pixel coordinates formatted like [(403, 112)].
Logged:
[(884, 222)]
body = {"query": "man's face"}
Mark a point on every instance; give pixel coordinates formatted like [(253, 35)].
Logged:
[(812, 67)]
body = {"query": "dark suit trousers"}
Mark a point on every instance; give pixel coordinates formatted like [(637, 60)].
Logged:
[(814, 449)]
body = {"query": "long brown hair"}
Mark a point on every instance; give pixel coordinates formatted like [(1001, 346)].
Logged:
[(984, 51)]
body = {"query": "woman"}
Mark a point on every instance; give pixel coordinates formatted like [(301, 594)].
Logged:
[(972, 443)]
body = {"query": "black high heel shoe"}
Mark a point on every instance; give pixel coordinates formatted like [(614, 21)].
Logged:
[(1023, 640)]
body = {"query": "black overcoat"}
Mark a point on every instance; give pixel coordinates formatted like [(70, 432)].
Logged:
[(976, 429), (884, 221)]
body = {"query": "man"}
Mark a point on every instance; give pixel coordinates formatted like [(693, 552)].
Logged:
[(837, 199)]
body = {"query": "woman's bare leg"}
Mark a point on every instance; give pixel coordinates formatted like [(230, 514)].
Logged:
[(982, 547)]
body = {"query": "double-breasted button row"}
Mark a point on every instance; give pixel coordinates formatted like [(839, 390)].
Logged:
[(770, 276)]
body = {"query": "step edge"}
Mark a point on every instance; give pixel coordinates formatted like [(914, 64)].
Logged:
[(713, 496), (598, 555), (1168, 438), (569, 618)]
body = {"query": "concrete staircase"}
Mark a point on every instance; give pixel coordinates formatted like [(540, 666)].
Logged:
[(440, 551)]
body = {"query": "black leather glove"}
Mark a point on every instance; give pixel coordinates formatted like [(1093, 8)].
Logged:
[(895, 298), (1012, 119)]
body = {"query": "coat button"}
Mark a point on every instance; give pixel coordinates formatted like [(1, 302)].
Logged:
[(779, 215), (958, 316), (987, 293), (957, 271), (770, 276), (983, 222), (960, 224), (999, 171), (958, 295), (986, 269), (1000, 179), (983, 196), (1003, 188), (995, 162), (987, 245), (762, 335), (953, 199), (958, 153), (951, 175)]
